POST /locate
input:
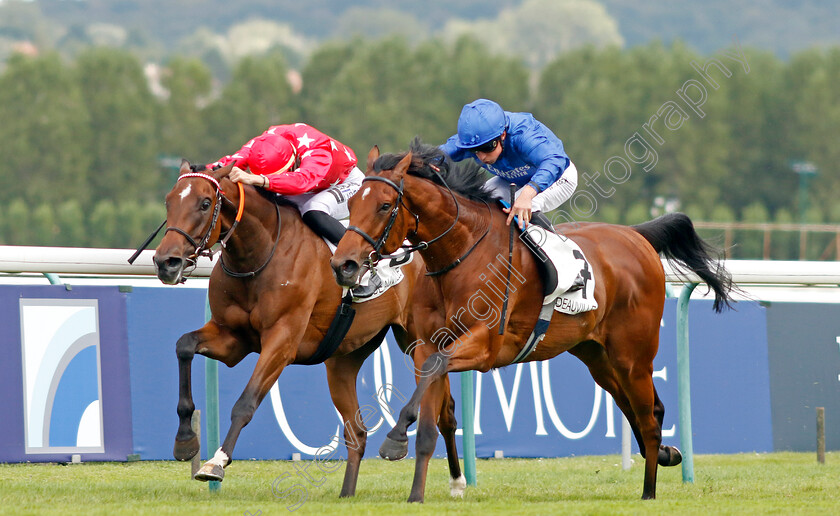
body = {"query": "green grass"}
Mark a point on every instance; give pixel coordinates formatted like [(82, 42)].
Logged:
[(778, 483)]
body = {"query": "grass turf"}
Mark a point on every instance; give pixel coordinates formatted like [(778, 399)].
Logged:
[(777, 483)]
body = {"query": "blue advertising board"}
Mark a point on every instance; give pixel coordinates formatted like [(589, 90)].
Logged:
[(65, 374), (96, 358), (543, 409)]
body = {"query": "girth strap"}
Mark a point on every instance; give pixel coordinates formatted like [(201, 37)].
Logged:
[(338, 329)]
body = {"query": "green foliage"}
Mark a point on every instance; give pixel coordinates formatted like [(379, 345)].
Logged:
[(258, 96), (45, 136), (387, 92), (87, 136), (44, 228), (637, 213), (103, 225), (70, 220), (122, 116), (17, 223), (183, 128)]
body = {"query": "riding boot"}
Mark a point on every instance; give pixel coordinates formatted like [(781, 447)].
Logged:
[(538, 218), (324, 225), (327, 226), (541, 220)]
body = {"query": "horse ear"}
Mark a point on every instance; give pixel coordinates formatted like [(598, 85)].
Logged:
[(223, 172), (402, 166), (185, 167), (373, 155)]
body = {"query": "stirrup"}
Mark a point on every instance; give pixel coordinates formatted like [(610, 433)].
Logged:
[(365, 291)]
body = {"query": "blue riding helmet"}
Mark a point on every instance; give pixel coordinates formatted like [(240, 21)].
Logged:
[(480, 121)]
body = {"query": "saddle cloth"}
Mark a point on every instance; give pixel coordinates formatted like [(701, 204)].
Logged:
[(566, 258)]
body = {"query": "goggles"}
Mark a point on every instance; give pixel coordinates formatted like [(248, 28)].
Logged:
[(486, 147)]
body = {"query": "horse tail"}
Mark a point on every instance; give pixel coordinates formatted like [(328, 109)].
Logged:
[(673, 236)]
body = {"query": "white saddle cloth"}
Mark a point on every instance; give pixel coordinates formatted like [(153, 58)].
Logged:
[(568, 260), (389, 270)]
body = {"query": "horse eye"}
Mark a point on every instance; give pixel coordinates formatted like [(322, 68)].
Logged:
[(385, 207), (205, 205)]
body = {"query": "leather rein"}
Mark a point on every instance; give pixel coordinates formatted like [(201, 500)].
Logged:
[(376, 255)]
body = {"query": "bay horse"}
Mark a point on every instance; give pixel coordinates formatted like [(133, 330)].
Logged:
[(460, 234), (272, 292)]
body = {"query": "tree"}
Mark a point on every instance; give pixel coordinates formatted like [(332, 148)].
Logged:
[(183, 126), (45, 137), (70, 220), (538, 30), (258, 96), (387, 93), (122, 115)]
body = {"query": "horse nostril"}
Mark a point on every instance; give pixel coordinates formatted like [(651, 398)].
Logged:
[(174, 262), (349, 268)]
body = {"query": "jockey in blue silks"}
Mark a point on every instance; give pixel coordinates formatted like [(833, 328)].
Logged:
[(518, 149)]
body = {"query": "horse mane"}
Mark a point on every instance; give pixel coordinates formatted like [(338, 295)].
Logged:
[(464, 177)]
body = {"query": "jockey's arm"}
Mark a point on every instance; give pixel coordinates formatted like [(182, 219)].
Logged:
[(314, 166)]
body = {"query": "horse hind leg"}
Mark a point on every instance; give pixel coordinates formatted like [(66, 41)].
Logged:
[(644, 412), (341, 376), (668, 455)]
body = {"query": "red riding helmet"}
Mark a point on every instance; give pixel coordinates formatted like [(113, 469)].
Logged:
[(271, 155)]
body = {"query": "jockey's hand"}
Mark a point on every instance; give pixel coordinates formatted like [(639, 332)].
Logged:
[(522, 207), (237, 175)]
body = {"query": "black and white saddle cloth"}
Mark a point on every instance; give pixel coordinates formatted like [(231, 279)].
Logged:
[(563, 260)]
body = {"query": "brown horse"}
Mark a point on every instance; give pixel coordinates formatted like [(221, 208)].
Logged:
[(451, 221), (272, 292)]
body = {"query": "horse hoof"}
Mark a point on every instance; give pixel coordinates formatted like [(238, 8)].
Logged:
[(210, 471), (186, 450), (393, 450), (669, 456)]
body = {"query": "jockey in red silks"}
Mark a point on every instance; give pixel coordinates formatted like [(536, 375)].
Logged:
[(315, 172), (318, 174)]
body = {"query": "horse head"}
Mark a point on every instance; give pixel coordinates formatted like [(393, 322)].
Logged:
[(192, 215), (379, 220)]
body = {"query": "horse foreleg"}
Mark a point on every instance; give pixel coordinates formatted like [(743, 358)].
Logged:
[(471, 353), (211, 341), (273, 359), (430, 410)]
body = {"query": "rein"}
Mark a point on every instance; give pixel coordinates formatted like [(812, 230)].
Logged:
[(267, 260), (375, 255)]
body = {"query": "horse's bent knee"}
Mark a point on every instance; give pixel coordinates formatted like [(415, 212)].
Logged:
[(434, 365), (185, 347)]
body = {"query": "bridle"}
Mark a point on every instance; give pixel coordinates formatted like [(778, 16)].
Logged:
[(202, 248), (376, 255)]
